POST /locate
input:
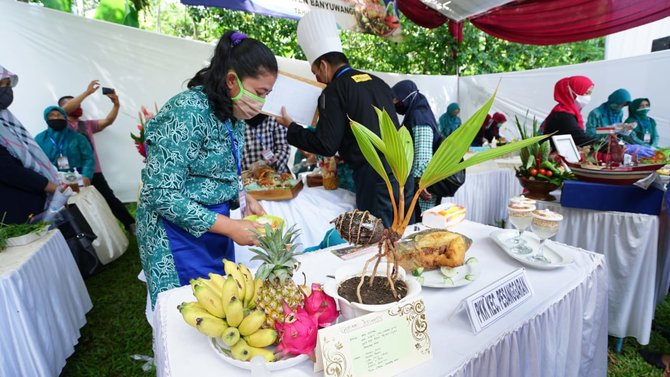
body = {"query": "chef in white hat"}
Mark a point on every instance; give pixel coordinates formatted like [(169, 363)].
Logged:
[(349, 93)]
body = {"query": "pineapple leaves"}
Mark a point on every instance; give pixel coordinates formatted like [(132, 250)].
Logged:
[(453, 148)]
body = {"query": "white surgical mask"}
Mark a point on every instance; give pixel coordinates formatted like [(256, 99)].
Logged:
[(582, 101)]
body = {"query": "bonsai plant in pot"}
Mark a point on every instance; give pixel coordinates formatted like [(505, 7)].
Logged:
[(539, 174), (397, 147)]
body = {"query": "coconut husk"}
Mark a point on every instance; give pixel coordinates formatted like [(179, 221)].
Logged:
[(359, 227)]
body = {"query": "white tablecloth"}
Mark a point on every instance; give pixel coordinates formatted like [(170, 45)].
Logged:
[(630, 243), (485, 194), (560, 331), (312, 210), (112, 241), (43, 304)]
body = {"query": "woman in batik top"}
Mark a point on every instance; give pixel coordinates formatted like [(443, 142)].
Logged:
[(191, 179)]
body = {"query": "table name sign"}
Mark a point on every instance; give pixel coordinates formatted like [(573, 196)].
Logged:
[(497, 299), (376, 344)]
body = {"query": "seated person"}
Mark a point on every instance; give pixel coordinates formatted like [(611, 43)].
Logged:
[(66, 149), (645, 133), (450, 121), (265, 140), (608, 113), (303, 162), (572, 94), (28, 179)]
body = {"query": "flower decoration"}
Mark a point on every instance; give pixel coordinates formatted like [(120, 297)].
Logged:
[(144, 115)]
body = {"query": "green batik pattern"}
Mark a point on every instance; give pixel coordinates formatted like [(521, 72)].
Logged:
[(190, 165)]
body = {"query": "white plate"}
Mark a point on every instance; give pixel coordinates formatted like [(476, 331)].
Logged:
[(435, 278), (558, 254), (221, 349), (27, 238)]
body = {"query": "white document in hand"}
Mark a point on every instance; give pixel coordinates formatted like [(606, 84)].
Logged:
[(300, 97)]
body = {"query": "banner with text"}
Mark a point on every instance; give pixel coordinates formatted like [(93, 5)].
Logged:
[(379, 17)]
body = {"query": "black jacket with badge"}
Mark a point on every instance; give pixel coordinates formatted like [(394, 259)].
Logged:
[(353, 93)]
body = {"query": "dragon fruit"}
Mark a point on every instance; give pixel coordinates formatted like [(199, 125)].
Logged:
[(321, 306), (298, 332)]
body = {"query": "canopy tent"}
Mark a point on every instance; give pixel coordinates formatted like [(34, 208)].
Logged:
[(146, 67), (540, 22)]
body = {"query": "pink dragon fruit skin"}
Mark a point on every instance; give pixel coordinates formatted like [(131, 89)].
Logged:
[(321, 306), (298, 332)]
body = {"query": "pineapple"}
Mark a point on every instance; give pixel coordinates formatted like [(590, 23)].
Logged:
[(277, 252)]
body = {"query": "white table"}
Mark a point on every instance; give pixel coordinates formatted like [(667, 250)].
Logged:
[(630, 244), (560, 331), (43, 304), (112, 241), (312, 210), (485, 194)]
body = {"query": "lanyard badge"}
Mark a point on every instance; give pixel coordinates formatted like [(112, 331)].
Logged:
[(241, 195)]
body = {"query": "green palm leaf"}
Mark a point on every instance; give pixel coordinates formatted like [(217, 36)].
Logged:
[(395, 149), (369, 152)]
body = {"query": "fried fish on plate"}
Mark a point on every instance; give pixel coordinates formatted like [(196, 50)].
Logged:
[(432, 249)]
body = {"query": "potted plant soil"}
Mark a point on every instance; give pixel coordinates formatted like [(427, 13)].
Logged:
[(381, 281)]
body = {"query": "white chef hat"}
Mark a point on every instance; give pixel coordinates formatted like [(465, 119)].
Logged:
[(318, 35)]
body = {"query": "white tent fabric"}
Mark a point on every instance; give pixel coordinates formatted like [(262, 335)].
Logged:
[(533, 90), (635, 41), (459, 10), (57, 53)]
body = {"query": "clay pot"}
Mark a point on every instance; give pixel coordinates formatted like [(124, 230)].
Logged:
[(538, 190)]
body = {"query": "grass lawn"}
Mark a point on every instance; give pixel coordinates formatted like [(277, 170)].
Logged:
[(117, 328)]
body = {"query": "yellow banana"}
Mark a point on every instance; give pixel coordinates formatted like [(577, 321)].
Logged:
[(211, 326), (234, 312), (241, 351), (257, 286), (248, 283), (211, 284), (191, 311), (209, 299), (252, 322), (229, 290), (262, 338), (232, 269), (230, 336), (217, 279), (268, 355)]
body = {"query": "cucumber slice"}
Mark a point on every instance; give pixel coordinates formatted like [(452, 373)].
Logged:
[(448, 272), (472, 260), (470, 277), (448, 281)]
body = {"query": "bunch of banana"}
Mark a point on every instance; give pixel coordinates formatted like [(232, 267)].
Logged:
[(226, 309), (247, 287)]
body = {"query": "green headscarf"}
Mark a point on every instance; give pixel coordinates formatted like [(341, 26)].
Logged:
[(449, 122), (634, 106)]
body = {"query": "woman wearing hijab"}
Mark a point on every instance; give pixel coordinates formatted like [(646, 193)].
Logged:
[(420, 122), (27, 177), (645, 133), (490, 129), (608, 113), (572, 94), (450, 121), (192, 178), (67, 149)]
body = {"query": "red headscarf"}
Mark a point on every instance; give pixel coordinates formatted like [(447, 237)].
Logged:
[(566, 97)]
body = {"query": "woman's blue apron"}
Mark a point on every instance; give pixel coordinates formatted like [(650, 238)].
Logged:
[(195, 257)]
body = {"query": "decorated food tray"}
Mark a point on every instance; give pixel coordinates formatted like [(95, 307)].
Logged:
[(264, 183), (558, 255), (622, 175), (443, 216)]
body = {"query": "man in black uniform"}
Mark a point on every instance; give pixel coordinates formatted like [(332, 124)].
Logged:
[(349, 94)]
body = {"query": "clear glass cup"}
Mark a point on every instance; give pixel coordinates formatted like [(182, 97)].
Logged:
[(522, 200), (520, 216), (545, 225)]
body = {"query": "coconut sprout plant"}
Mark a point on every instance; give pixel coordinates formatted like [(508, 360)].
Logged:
[(397, 147)]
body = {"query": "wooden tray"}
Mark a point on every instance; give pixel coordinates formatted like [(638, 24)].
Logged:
[(277, 195), (614, 176)]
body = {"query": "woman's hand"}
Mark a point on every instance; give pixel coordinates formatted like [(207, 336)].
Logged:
[(240, 231), (425, 195), (254, 207), (284, 120)]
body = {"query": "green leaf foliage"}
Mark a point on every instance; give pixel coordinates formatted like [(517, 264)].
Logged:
[(62, 5), (363, 137), (118, 11)]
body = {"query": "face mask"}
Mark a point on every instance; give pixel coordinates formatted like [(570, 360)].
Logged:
[(246, 105), (76, 113), (6, 97), (582, 101), (57, 124), (615, 108), (644, 111), (400, 108)]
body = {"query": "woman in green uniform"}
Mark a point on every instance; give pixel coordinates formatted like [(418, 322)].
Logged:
[(192, 177)]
